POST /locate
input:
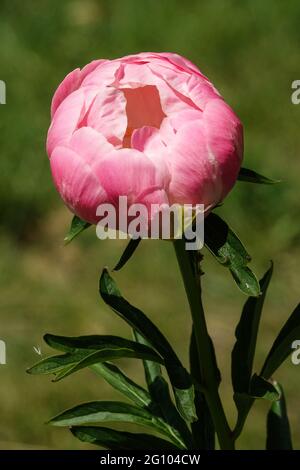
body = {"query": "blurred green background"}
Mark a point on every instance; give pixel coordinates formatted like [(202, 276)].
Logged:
[(250, 50)]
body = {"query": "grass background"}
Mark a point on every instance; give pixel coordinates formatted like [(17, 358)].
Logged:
[(250, 50)]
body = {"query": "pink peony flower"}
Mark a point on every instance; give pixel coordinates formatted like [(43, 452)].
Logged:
[(148, 126)]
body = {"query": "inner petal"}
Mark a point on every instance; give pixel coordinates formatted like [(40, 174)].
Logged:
[(143, 108)]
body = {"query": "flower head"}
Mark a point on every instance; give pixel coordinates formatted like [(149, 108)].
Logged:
[(148, 126)]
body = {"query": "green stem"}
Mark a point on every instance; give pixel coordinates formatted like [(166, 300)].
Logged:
[(188, 264)]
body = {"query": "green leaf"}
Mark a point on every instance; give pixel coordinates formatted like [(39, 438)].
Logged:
[(179, 377), (77, 226), (244, 351), (112, 411), (118, 380), (202, 429), (258, 388), (281, 348), (97, 342), (262, 388), (278, 427), (152, 369), (88, 350), (226, 247), (251, 176), (160, 393), (109, 372), (120, 440), (127, 254), (246, 338)]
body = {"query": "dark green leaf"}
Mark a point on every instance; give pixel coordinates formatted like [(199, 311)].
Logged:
[(179, 377), (282, 345), (202, 429), (278, 427), (251, 176), (152, 369), (120, 440), (88, 350), (243, 403), (96, 342), (77, 226), (262, 388), (128, 252), (117, 379), (224, 244), (103, 411), (246, 337), (112, 411), (160, 393)]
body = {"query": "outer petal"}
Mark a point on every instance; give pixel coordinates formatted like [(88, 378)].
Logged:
[(195, 177), (224, 136), (178, 120), (102, 75), (77, 184), (89, 68), (201, 91), (128, 172), (168, 58), (181, 62), (90, 145), (71, 83), (68, 117), (67, 86)]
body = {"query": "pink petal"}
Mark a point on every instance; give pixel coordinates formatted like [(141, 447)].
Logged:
[(201, 91), (68, 117), (178, 120), (195, 178), (102, 75), (150, 141), (77, 184), (141, 136), (128, 172), (89, 68), (176, 79), (181, 62), (90, 145), (71, 83), (224, 136), (67, 86), (139, 75), (107, 115)]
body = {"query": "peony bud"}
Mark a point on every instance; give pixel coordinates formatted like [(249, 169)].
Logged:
[(148, 126)]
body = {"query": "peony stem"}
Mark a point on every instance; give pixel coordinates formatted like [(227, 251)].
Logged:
[(190, 272)]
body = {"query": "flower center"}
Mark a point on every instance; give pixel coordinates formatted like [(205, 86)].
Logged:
[(143, 108)]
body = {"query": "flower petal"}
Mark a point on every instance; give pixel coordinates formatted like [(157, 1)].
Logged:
[(71, 83), (67, 86), (90, 145), (107, 115), (77, 184), (224, 136), (195, 177), (68, 116), (128, 172)]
